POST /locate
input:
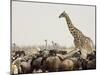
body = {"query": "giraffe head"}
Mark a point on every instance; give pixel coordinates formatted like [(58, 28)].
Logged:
[(62, 14)]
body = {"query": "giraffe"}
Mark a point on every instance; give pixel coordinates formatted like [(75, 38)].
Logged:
[(81, 42), (54, 45), (45, 44)]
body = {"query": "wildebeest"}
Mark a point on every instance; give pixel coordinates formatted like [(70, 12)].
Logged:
[(17, 54), (15, 66), (52, 63), (26, 65), (36, 64), (20, 53), (23, 64), (14, 69), (56, 63), (90, 62), (31, 65), (66, 65)]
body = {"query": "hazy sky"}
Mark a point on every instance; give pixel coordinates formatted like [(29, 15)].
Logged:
[(32, 23)]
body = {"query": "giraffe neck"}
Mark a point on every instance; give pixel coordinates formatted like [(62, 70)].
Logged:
[(69, 22), (70, 25), (76, 33)]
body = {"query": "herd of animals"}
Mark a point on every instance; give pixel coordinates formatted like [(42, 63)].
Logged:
[(82, 57)]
